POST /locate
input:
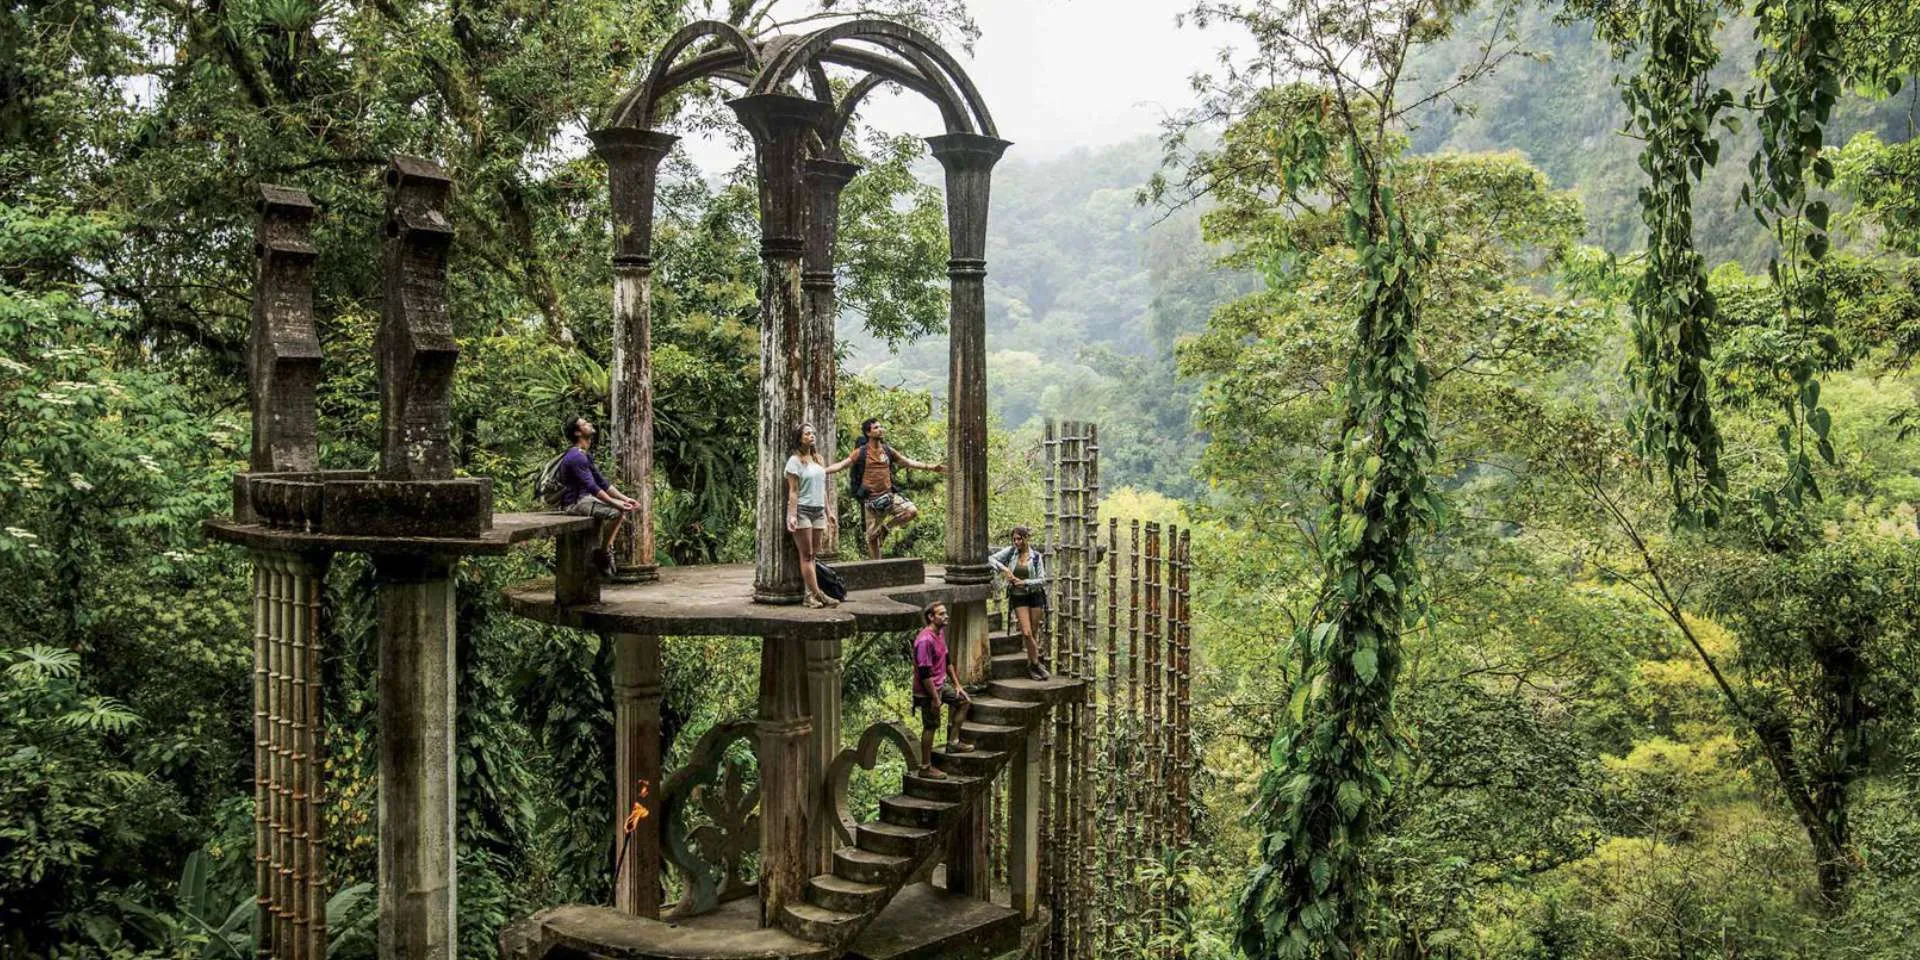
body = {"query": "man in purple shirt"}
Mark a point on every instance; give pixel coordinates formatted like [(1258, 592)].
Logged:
[(935, 683), (585, 493)]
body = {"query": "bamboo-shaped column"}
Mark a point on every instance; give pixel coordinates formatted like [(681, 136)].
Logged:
[(825, 180), (283, 371), (1111, 778), (1156, 742), (968, 159), (633, 164), (1135, 728), (637, 692), (781, 126), (1089, 600)]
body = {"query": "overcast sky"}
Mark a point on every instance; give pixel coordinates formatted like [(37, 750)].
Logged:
[(1061, 73)]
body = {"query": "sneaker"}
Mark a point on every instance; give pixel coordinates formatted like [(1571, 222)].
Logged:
[(1037, 671), (813, 603), (959, 746), (829, 601), (603, 561), (931, 773)]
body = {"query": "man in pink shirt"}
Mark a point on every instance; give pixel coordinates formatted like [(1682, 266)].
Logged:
[(935, 683)]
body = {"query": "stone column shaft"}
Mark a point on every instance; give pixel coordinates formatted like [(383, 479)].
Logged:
[(633, 164), (417, 888), (636, 762), (1023, 825), (825, 179), (785, 801), (823, 700), (780, 126), (968, 159)]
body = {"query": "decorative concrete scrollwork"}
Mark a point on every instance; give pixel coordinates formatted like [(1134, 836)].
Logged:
[(731, 833), (866, 753)]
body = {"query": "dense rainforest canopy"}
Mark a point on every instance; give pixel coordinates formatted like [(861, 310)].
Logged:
[(1540, 396)]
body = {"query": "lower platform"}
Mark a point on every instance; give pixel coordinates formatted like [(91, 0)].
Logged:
[(718, 601), (922, 923)]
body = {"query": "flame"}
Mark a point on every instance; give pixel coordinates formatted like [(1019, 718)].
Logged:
[(639, 811)]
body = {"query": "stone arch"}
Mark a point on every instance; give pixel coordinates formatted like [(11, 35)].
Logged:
[(635, 108), (954, 93)]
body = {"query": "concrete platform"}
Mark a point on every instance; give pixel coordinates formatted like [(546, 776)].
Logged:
[(507, 530), (718, 601), (922, 923)]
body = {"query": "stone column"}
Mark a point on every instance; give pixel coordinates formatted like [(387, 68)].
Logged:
[(823, 701), (415, 341), (1023, 825), (636, 762), (780, 126), (417, 887), (283, 364), (825, 179), (968, 159), (633, 165), (785, 801)]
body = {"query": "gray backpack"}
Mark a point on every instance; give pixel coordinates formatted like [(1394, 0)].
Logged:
[(547, 488)]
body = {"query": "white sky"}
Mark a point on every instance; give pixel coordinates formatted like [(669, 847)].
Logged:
[(1058, 74)]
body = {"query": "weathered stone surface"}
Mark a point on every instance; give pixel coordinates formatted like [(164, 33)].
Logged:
[(718, 601), (633, 163), (968, 160), (507, 530), (283, 352), (415, 341), (925, 922), (732, 932), (781, 126), (825, 179)]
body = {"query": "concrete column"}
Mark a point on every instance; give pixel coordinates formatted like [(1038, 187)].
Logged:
[(967, 640), (785, 801), (636, 761), (633, 164), (1023, 825), (968, 159), (417, 886), (780, 126), (969, 870), (823, 701), (825, 179)]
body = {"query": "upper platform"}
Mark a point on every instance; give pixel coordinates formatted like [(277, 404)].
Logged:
[(506, 530), (718, 601)]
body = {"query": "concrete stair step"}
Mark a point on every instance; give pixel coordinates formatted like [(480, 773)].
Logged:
[(895, 840), (865, 866), (993, 736), (846, 896), (909, 811), (818, 924), (1010, 666), (953, 789), (1036, 691), (1012, 713), (1007, 642), (979, 762)]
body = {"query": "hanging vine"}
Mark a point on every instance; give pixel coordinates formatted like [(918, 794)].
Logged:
[(1673, 107), (1332, 768), (1800, 78)]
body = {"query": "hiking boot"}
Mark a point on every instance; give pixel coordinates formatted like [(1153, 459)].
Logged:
[(959, 746), (930, 772), (814, 603), (603, 562), (1036, 671)]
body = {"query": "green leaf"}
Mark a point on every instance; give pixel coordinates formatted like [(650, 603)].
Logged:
[(1366, 665)]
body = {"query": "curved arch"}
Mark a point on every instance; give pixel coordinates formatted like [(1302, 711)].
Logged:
[(844, 113), (949, 101), (778, 69), (649, 91)]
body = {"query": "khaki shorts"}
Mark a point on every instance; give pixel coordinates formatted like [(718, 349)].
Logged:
[(810, 518), (897, 508)]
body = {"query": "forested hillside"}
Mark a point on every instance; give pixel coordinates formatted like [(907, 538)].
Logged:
[(1559, 106)]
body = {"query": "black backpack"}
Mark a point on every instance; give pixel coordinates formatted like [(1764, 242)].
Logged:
[(856, 473), (830, 582)]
